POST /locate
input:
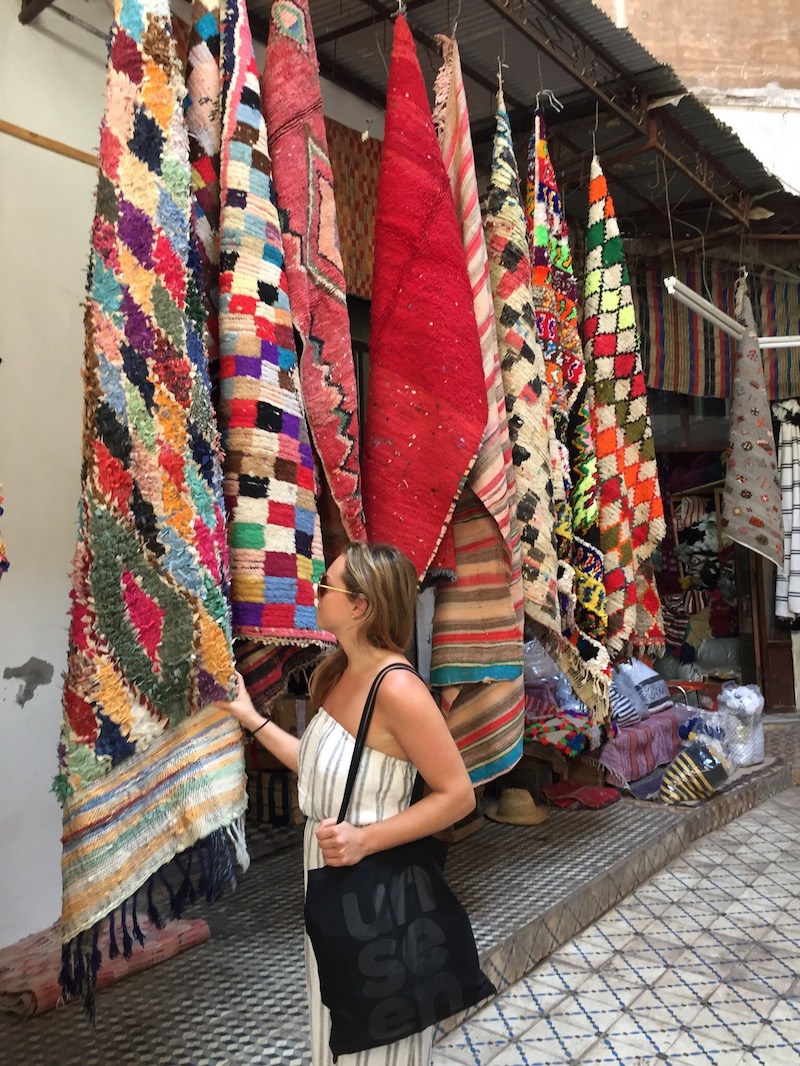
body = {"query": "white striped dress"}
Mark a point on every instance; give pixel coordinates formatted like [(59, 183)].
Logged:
[(382, 788)]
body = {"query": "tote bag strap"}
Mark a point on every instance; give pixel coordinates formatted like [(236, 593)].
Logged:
[(361, 736)]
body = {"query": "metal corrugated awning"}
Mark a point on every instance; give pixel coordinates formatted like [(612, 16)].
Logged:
[(675, 171)]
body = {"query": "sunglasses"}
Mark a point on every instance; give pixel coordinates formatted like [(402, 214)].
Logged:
[(323, 584)]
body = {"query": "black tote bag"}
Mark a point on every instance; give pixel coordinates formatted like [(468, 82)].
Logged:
[(394, 947)]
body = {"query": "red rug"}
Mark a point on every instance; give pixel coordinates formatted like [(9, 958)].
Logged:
[(29, 969), (427, 399)]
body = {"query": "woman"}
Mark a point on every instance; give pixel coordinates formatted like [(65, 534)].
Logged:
[(367, 601)]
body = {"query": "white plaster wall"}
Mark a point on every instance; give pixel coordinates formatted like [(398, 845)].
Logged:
[(51, 81), (772, 136), (52, 77)]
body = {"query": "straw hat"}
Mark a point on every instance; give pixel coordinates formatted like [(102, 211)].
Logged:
[(516, 807)]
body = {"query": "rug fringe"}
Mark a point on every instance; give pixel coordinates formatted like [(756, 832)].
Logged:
[(441, 86), (205, 870), (591, 686)]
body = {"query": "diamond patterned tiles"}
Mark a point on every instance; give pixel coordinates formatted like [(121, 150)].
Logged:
[(698, 965), (239, 1000)]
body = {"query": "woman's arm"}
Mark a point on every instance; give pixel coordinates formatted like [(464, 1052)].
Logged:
[(410, 713), (276, 740)]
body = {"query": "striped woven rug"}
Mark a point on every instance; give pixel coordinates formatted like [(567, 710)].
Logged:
[(683, 353), (477, 621)]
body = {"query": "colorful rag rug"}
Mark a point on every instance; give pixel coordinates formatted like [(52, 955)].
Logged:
[(751, 499), (274, 528), (477, 622), (4, 563), (204, 121), (356, 165), (147, 769), (580, 651), (787, 588), (631, 509), (683, 353), (523, 370), (292, 104), (427, 410)]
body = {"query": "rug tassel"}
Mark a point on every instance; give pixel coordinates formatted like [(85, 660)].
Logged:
[(175, 907), (80, 966), (67, 976), (113, 947), (94, 961), (127, 942), (237, 835), (137, 929), (152, 910)]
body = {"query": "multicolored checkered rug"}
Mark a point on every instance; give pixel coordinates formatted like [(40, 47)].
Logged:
[(273, 525)]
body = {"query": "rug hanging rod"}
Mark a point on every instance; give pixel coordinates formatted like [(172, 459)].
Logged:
[(80, 23), (47, 142), (697, 303)]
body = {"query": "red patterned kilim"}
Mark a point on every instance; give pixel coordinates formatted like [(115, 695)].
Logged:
[(292, 105), (631, 508), (427, 398), (356, 165)]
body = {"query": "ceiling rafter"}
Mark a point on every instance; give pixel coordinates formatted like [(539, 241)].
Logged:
[(563, 42), (429, 42), (31, 8), (364, 24)]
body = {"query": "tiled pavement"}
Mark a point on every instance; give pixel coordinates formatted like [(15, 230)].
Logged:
[(239, 1000), (701, 964)]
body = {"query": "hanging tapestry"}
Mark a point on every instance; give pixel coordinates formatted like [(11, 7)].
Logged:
[(787, 588), (631, 509), (488, 507), (292, 105), (751, 500), (204, 120), (477, 620), (683, 353), (522, 365), (4, 563), (147, 769), (426, 411), (274, 528), (355, 163), (580, 652)]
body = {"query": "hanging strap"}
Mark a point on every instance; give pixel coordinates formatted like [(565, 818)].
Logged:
[(363, 729)]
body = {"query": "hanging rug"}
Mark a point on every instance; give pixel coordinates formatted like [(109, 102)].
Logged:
[(477, 620), (787, 588), (426, 412), (751, 499), (631, 509), (580, 651), (147, 770), (523, 370), (269, 484), (304, 188)]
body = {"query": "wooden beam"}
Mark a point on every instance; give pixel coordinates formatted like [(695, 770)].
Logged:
[(47, 142), (31, 8)]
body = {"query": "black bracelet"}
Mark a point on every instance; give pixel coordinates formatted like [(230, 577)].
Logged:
[(266, 721)]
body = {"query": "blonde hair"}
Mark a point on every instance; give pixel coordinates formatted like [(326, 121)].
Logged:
[(387, 580)]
